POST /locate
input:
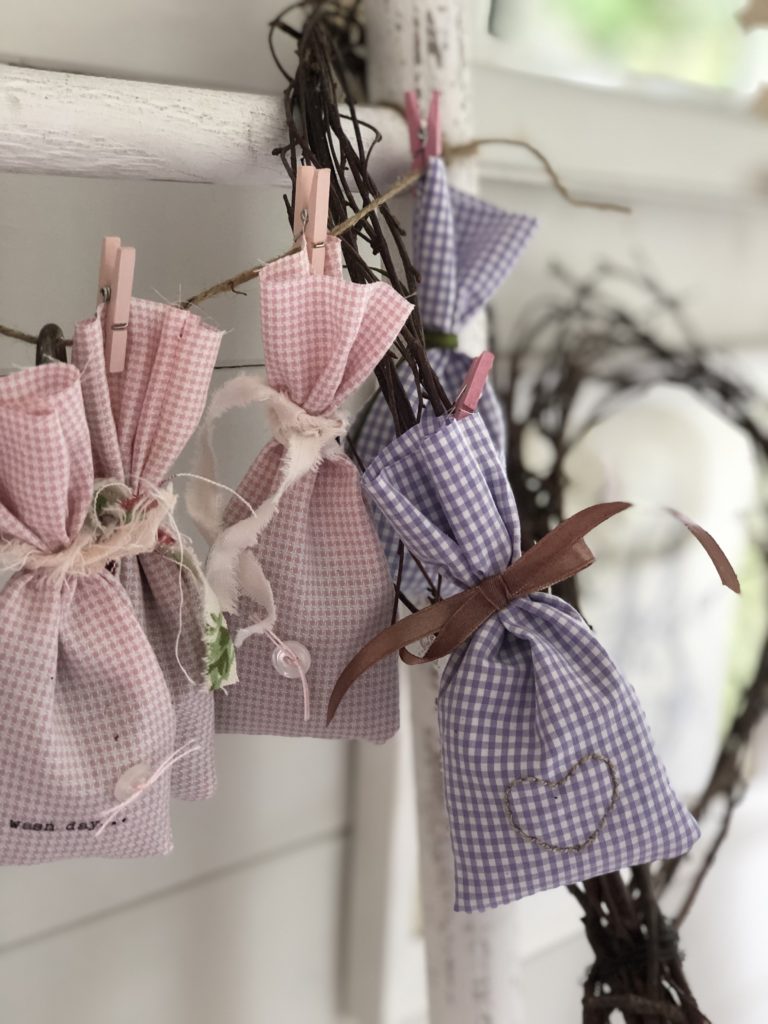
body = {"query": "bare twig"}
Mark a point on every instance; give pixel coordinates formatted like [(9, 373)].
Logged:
[(642, 1009), (734, 799), (473, 147), (403, 184), (11, 332)]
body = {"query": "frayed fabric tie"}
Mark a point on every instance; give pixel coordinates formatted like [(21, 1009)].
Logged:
[(233, 568), (290, 423), (142, 785), (119, 525)]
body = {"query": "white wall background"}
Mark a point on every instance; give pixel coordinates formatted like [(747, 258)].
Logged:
[(243, 923)]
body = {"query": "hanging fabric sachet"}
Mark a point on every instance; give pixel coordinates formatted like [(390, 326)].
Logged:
[(306, 573), (140, 420), (550, 773), (86, 722), (463, 248)]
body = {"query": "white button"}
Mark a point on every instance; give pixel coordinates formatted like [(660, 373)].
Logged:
[(131, 781), (285, 665)]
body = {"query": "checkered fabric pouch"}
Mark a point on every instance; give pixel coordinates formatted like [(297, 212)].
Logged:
[(463, 249), (322, 337), (140, 420), (549, 769), (83, 699)]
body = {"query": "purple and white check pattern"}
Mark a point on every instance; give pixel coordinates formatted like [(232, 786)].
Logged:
[(140, 420), (549, 768), (374, 429), (463, 249), (82, 697)]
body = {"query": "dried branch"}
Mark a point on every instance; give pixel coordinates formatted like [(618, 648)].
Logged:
[(473, 147), (734, 799)]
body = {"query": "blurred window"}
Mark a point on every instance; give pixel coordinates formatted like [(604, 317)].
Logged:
[(699, 42)]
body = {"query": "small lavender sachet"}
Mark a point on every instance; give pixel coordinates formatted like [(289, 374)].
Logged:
[(140, 420), (550, 772), (463, 248), (86, 722), (305, 571)]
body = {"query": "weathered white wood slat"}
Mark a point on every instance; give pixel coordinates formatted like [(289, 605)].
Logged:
[(52, 122)]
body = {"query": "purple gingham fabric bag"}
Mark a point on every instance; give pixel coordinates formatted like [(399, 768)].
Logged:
[(549, 769), (83, 699), (140, 421), (464, 248)]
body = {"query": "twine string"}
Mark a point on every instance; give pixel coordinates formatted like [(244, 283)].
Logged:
[(402, 184)]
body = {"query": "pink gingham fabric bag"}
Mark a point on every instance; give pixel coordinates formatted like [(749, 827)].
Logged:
[(322, 579), (83, 699), (140, 421)]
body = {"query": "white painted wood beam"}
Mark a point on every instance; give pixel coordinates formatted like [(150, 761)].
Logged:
[(52, 122)]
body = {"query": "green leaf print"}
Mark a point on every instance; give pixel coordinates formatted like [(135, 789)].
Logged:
[(219, 653)]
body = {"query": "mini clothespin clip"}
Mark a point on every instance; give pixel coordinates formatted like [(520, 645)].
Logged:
[(473, 386), (51, 347), (310, 212), (426, 140), (115, 286)]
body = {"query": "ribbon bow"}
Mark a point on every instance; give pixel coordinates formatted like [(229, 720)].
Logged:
[(559, 555)]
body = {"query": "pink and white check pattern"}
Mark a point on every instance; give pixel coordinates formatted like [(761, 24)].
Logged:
[(140, 421), (82, 697), (322, 337)]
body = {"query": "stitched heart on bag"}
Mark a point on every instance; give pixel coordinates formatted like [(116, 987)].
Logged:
[(564, 815)]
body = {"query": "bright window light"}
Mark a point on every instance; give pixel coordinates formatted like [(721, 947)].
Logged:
[(694, 41)]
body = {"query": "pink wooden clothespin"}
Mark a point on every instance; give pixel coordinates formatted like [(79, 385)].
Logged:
[(473, 386), (115, 287), (310, 216), (426, 141)]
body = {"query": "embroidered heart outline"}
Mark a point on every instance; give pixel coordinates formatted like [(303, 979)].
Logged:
[(558, 784)]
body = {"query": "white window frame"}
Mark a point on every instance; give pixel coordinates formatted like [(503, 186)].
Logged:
[(633, 142)]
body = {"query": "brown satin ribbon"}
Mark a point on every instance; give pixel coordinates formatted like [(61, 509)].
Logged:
[(559, 555)]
